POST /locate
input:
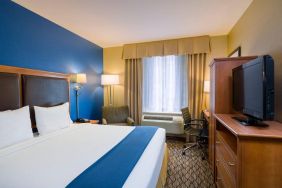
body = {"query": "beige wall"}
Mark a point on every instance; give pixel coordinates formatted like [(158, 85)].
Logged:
[(258, 32), (218, 49), (113, 64)]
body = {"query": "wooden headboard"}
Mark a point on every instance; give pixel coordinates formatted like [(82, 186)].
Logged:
[(21, 87)]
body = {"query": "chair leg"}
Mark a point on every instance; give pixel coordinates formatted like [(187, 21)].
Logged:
[(203, 150), (201, 146), (189, 147)]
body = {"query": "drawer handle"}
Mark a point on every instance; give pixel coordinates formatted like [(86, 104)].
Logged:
[(219, 178), (231, 164)]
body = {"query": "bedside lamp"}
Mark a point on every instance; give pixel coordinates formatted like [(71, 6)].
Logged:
[(110, 80), (206, 91), (79, 80), (207, 86)]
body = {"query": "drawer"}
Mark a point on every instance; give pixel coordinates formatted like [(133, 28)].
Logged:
[(229, 158), (224, 177), (219, 181)]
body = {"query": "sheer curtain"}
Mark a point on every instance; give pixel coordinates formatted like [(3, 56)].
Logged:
[(165, 84)]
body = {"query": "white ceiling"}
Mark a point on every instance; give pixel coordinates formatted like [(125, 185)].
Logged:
[(116, 22)]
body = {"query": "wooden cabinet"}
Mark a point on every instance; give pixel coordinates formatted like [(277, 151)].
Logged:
[(241, 156), (221, 93), (247, 156)]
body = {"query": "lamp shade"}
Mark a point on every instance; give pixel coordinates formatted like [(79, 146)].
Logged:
[(110, 79), (207, 86), (79, 78)]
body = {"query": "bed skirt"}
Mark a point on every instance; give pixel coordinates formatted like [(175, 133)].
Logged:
[(163, 173)]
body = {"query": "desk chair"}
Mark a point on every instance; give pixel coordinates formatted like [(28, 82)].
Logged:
[(199, 129)]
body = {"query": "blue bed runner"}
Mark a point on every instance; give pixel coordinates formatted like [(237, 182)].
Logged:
[(112, 170)]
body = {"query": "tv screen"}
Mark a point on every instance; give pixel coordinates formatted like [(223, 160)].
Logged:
[(253, 90)]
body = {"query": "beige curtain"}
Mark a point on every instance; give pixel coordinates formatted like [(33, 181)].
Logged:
[(196, 76), (133, 87)]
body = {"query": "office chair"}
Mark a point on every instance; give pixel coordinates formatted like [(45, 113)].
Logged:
[(199, 129)]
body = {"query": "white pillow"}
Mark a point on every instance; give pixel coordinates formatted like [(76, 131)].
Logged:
[(49, 119), (15, 126)]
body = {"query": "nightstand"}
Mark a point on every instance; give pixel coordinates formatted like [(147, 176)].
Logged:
[(94, 121), (91, 122)]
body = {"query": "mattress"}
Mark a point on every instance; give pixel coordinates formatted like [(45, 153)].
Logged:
[(55, 159)]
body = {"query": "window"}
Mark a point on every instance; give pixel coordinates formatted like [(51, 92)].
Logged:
[(164, 84)]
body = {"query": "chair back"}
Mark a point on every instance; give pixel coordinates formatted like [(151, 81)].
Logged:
[(186, 115)]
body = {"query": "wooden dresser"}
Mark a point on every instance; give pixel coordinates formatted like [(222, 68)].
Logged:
[(247, 156), (221, 94)]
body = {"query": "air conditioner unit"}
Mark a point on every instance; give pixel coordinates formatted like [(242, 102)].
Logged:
[(171, 122)]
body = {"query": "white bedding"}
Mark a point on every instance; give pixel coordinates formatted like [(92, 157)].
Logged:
[(55, 159)]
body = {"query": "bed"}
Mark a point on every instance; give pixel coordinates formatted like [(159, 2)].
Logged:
[(59, 158)]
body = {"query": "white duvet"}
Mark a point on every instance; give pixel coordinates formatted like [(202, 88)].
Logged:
[(55, 159)]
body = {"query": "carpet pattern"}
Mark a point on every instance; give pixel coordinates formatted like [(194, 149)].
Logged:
[(187, 170)]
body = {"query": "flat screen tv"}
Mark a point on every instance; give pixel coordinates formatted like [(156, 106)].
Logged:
[(253, 90)]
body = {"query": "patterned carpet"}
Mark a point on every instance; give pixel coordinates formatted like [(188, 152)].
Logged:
[(189, 170)]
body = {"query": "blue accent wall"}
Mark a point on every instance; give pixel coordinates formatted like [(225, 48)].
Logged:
[(30, 41)]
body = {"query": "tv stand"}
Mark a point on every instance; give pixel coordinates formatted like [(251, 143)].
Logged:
[(247, 121), (247, 156)]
